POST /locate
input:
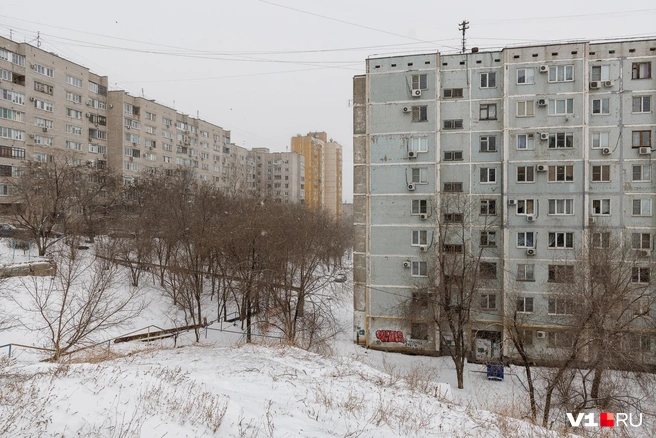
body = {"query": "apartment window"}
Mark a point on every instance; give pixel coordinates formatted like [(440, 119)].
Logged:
[(130, 123), (43, 88), (12, 134), (73, 145), (419, 331), (420, 82), (641, 207), (9, 114), (73, 113), (452, 93), (600, 73), (601, 173), (420, 113), (488, 80), (640, 240), (12, 96), (641, 172), (525, 174), (70, 80), (488, 111), (560, 306), (43, 70), (561, 140), (641, 139), (525, 76), (559, 340), (419, 268), (452, 247), (525, 207), (642, 104), (561, 73), (488, 207), (525, 272), (641, 70), (525, 304), (453, 156), (488, 175), (488, 301), (167, 122), (453, 187), (487, 270), (419, 237), (561, 107), (640, 274), (72, 97), (151, 130), (639, 342), (97, 149), (39, 139), (43, 105), (525, 141), (561, 174), (561, 206), (488, 143), (599, 140), (453, 124), (11, 152), (560, 273), (43, 123), (153, 144), (601, 240), (452, 218), (601, 207), (525, 108), (601, 106), (525, 239), (150, 116), (561, 240), (419, 206), (72, 129), (489, 239), (419, 175), (419, 144)]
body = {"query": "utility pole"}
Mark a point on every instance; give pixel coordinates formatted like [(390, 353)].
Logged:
[(463, 27)]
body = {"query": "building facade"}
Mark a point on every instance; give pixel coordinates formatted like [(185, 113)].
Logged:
[(544, 142), (281, 175)]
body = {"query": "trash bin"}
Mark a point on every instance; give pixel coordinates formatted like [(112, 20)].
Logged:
[(495, 371)]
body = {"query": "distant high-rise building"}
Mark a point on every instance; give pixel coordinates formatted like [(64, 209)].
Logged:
[(281, 175)]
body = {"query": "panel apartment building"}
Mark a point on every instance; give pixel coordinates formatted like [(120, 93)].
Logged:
[(548, 141)]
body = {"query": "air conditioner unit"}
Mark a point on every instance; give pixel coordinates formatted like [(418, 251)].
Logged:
[(423, 248), (31, 135), (411, 186), (609, 83), (644, 151), (88, 115), (104, 155), (541, 168), (32, 99), (416, 93), (643, 253), (542, 102), (530, 251), (423, 216), (595, 85), (45, 129), (110, 105), (134, 143), (605, 151), (540, 334), (131, 158), (531, 218), (33, 66), (544, 136), (89, 103), (406, 109), (406, 264), (412, 154), (512, 202), (544, 68), (90, 139)]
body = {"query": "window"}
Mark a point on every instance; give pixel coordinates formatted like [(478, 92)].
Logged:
[(43, 123), (150, 116), (151, 130), (488, 80), (489, 238), (72, 97), (525, 108), (487, 270), (420, 113), (419, 175), (12, 134), (130, 123), (488, 111), (488, 175), (525, 304), (453, 218), (97, 149), (640, 275), (525, 141), (600, 73), (561, 273), (639, 342), (599, 140), (525, 207), (561, 73), (525, 76), (560, 306), (641, 70), (525, 273), (452, 247), (9, 114), (73, 113), (419, 268), (43, 70), (601, 106), (453, 124), (419, 331), (640, 240), (642, 104), (11, 152), (70, 80), (72, 129), (419, 237), (419, 206), (488, 301), (601, 240), (452, 93), (561, 240), (420, 82), (419, 144), (526, 174), (525, 239), (559, 340), (561, 140), (453, 156), (39, 139), (453, 187), (561, 107), (601, 207), (561, 174), (641, 172), (488, 143), (561, 206), (641, 139), (44, 88), (601, 173), (73, 145), (488, 207), (43, 105), (641, 207), (12, 96)]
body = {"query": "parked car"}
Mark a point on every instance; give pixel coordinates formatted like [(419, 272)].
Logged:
[(7, 230)]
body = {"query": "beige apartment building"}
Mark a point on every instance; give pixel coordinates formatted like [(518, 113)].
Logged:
[(281, 175), (332, 183)]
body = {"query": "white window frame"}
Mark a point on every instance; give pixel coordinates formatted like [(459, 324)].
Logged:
[(600, 73), (600, 207), (487, 78), (561, 73), (422, 174), (418, 144), (525, 108), (561, 207), (419, 238), (488, 239), (645, 172), (644, 104), (600, 106), (565, 235), (600, 140), (525, 76), (523, 236), (487, 175), (70, 80), (523, 207), (419, 268), (488, 143), (419, 206), (642, 205), (524, 308), (641, 241), (603, 169), (528, 140), (525, 272), (643, 274), (561, 140), (556, 173), (529, 175), (561, 107)]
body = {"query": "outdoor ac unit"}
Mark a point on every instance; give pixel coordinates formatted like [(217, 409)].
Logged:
[(644, 151), (595, 85), (416, 93), (530, 251), (411, 186), (423, 216), (423, 248), (110, 105), (531, 218), (90, 139), (541, 334), (412, 154), (32, 99), (542, 102), (406, 264), (541, 168), (609, 83), (512, 202), (544, 68), (104, 155), (643, 253), (406, 109), (544, 136), (89, 103), (45, 129), (131, 158), (605, 151), (31, 135)]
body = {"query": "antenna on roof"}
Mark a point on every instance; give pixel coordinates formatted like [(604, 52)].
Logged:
[(463, 27)]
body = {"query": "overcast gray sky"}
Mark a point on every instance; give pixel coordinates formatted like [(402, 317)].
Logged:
[(268, 70)]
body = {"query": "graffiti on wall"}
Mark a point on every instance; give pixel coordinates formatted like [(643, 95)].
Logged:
[(390, 336)]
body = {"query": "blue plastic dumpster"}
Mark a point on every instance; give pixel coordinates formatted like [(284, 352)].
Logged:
[(495, 371)]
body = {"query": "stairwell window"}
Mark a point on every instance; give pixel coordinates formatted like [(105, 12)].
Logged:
[(561, 73), (420, 113), (489, 80), (453, 124), (488, 111), (488, 143)]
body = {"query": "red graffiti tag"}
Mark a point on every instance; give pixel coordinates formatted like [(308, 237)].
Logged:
[(389, 336)]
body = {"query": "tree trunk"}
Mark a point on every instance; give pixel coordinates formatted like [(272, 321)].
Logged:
[(596, 383)]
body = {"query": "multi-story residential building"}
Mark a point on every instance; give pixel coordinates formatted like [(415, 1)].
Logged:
[(281, 175), (543, 142), (332, 179)]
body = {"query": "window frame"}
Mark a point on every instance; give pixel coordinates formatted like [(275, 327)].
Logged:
[(644, 205), (599, 209), (564, 171), (523, 207), (487, 175), (490, 80), (453, 156), (488, 239), (487, 143), (488, 207), (418, 144), (525, 269), (418, 207), (526, 76), (566, 209), (642, 172), (524, 235), (487, 111), (451, 94), (603, 73), (641, 241), (420, 79), (641, 274), (602, 106), (567, 73), (422, 175), (568, 107), (554, 237), (641, 138), (419, 113), (600, 173), (636, 71), (419, 238), (525, 108), (561, 140), (529, 141), (524, 308), (417, 267), (528, 171), (641, 104), (603, 139), (488, 301)]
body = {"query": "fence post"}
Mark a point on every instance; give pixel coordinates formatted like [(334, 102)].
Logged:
[(9, 351)]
